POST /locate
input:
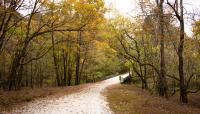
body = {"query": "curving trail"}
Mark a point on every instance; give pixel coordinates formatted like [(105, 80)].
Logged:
[(88, 101)]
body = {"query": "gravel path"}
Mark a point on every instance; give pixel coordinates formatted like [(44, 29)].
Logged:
[(88, 101)]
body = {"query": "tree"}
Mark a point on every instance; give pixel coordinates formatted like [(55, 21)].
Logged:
[(162, 83), (178, 6)]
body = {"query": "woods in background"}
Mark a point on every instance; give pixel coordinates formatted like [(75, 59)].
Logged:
[(51, 43), (158, 50)]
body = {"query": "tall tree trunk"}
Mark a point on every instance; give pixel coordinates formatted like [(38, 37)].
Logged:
[(19, 77), (183, 90), (69, 78), (162, 83), (145, 67), (82, 66), (77, 80), (55, 60), (32, 86), (180, 17), (40, 83), (26, 76), (69, 64), (3, 72), (65, 67), (13, 72)]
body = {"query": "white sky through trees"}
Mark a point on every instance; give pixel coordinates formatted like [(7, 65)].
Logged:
[(131, 8)]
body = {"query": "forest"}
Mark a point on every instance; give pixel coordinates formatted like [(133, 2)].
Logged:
[(51, 43), (54, 44)]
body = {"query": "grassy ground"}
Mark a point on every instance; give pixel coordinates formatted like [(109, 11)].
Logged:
[(128, 99), (14, 99)]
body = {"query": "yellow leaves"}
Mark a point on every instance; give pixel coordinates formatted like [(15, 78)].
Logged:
[(128, 63), (75, 13), (50, 4), (89, 11), (81, 60), (194, 55), (63, 46), (196, 27), (44, 1), (102, 45), (103, 51), (155, 49)]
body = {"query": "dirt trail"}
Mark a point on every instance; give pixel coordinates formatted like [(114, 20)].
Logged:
[(88, 101)]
